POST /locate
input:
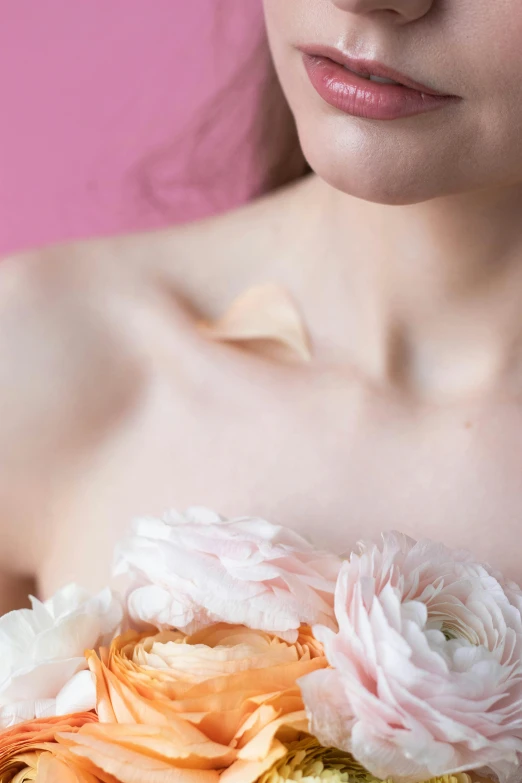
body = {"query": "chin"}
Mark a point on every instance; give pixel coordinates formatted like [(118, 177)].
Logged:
[(390, 188), (384, 169)]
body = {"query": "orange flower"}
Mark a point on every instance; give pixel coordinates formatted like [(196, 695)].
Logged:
[(198, 704), (29, 752)]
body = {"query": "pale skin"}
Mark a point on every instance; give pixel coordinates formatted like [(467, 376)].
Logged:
[(404, 255)]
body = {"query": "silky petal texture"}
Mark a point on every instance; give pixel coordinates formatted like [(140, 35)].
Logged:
[(264, 312), (208, 702), (42, 660), (191, 570), (27, 750), (51, 769), (427, 673), (266, 748), (45, 767), (148, 754)]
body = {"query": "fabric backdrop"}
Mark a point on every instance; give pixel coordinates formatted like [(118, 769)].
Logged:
[(102, 102)]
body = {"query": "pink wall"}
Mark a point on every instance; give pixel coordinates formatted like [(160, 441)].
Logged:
[(100, 96)]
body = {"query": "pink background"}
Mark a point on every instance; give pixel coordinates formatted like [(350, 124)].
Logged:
[(100, 103)]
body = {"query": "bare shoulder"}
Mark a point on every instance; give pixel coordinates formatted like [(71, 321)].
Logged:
[(68, 373), (67, 364), (83, 328), (203, 263), (70, 307), (76, 312), (58, 320)]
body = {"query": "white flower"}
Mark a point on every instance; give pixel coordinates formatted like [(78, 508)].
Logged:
[(43, 670), (427, 671), (188, 571)]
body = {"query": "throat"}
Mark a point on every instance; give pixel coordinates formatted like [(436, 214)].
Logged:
[(424, 297)]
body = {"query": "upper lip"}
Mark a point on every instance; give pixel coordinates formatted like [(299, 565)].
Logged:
[(367, 67)]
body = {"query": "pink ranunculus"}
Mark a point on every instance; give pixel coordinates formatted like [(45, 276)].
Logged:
[(189, 570), (427, 673)]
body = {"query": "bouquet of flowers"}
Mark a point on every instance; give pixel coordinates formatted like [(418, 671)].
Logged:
[(231, 651)]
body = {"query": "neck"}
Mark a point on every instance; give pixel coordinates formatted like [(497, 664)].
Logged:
[(432, 291)]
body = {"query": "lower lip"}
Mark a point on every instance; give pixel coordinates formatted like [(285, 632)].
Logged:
[(361, 97)]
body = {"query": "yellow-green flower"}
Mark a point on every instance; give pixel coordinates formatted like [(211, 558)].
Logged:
[(309, 762)]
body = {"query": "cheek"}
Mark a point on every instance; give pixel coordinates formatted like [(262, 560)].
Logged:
[(289, 25), (490, 59), (290, 20)]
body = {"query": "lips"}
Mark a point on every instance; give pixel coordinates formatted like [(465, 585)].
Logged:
[(368, 89), (367, 68)]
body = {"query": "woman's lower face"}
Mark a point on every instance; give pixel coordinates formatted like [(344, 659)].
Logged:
[(395, 144)]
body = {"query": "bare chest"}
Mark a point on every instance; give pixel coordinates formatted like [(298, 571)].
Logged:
[(315, 451)]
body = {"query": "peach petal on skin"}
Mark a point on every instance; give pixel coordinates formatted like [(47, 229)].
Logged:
[(263, 312)]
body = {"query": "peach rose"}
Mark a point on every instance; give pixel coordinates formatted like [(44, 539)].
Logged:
[(204, 703), (29, 752)]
